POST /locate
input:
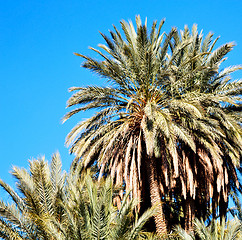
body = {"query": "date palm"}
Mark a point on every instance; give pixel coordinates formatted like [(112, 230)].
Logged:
[(54, 205), (91, 214), (230, 230), (31, 211), (210, 171), (168, 123)]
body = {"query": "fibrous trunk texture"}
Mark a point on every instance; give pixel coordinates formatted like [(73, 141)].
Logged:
[(189, 214), (155, 195)]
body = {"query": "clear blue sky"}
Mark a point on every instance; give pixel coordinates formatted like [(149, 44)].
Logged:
[(37, 65)]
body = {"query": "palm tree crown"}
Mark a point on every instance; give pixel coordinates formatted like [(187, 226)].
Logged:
[(169, 123)]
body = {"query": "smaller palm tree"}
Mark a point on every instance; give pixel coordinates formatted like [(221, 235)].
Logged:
[(30, 214), (53, 205), (230, 230), (99, 218)]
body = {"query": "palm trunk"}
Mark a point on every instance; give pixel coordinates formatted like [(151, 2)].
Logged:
[(155, 195), (223, 206), (215, 202), (189, 214)]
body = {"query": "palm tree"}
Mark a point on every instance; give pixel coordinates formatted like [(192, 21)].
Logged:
[(210, 171), (168, 123), (230, 230), (55, 205), (98, 217), (30, 214)]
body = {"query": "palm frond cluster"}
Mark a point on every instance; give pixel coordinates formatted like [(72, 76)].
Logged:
[(167, 125), (229, 230), (53, 205)]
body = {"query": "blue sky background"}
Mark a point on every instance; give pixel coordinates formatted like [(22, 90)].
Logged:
[(37, 65)]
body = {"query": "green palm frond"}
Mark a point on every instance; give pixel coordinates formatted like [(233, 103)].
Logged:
[(215, 231)]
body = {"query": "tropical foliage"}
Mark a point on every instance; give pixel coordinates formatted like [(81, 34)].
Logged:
[(54, 205), (167, 125), (230, 230)]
